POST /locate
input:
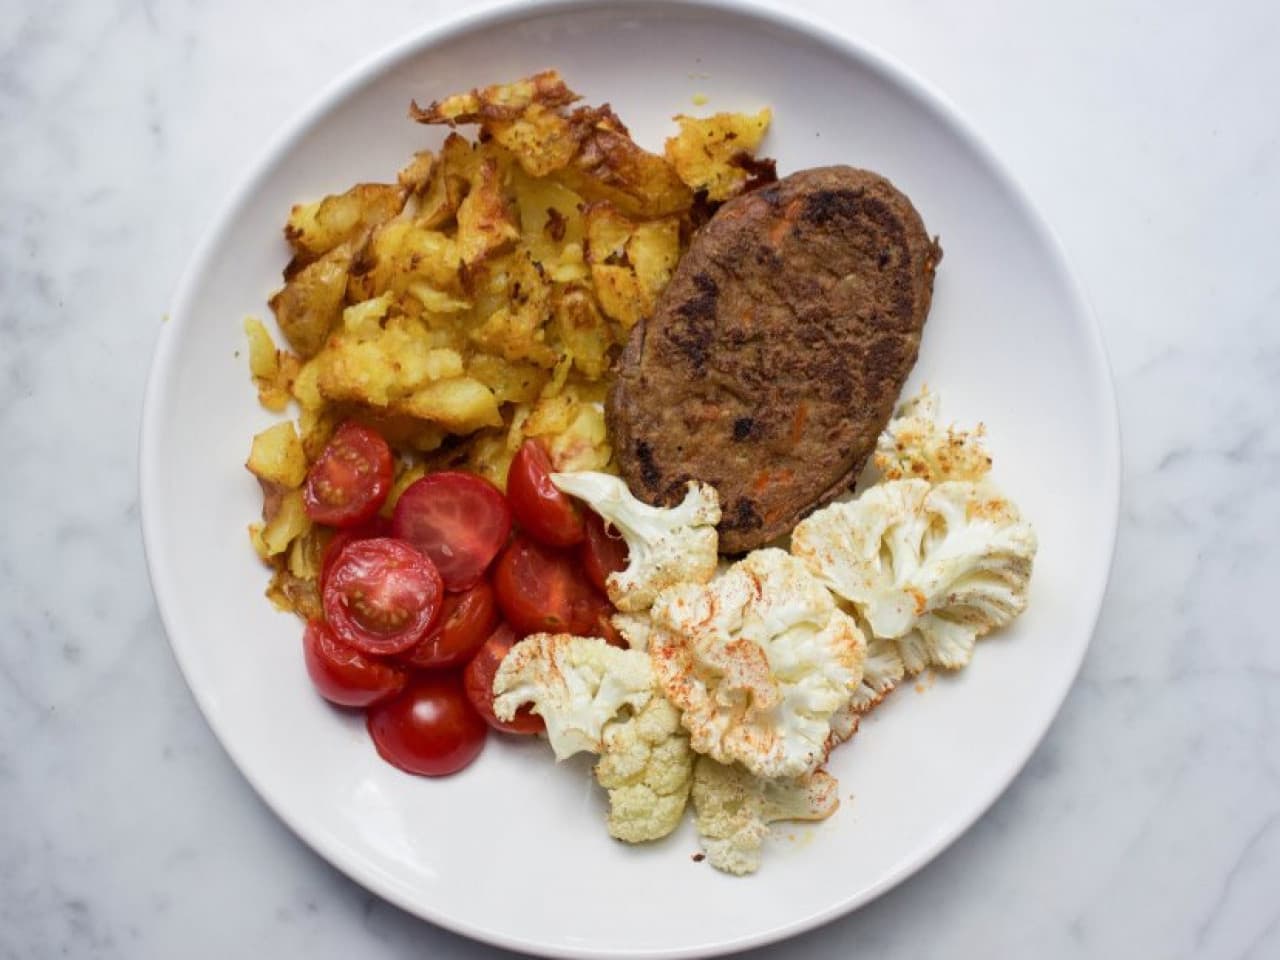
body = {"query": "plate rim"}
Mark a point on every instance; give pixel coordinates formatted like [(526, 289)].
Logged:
[(489, 15)]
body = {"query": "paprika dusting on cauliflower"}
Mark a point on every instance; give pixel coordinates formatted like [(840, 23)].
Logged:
[(931, 568), (733, 809), (668, 546), (599, 699), (576, 684), (760, 660)]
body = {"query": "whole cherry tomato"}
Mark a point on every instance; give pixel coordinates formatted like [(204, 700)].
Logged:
[(429, 728)]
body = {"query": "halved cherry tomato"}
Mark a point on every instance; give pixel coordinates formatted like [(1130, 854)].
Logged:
[(541, 590), (465, 622), (382, 596), (351, 478), (477, 679), (604, 552), (343, 674), (541, 510), (457, 519), (430, 728), (376, 526)]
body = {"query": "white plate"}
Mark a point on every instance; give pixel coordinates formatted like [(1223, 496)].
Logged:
[(1009, 341)]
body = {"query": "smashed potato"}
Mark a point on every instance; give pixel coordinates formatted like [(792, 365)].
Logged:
[(478, 300)]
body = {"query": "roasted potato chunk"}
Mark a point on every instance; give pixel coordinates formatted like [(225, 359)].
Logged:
[(313, 229), (713, 154), (310, 303)]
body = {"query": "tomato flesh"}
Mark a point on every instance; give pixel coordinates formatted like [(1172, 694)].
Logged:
[(342, 674), (603, 553), (351, 478), (540, 590), (477, 679), (466, 621), (381, 596), (376, 526), (540, 508), (457, 519), (430, 728)]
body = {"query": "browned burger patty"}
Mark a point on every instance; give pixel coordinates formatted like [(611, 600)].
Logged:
[(777, 352)]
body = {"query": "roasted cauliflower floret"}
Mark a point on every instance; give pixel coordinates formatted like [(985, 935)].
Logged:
[(734, 809), (576, 684), (760, 660), (915, 445), (647, 767), (931, 568), (668, 545), (634, 627)]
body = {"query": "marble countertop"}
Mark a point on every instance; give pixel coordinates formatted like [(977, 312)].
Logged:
[(1148, 822)]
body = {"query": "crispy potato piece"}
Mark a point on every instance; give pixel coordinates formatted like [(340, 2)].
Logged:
[(486, 225), (313, 229), (501, 101), (288, 521), (582, 331), (459, 404), (310, 303), (402, 254), (276, 456), (516, 331), (512, 381), (273, 370), (708, 152), (610, 166), (416, 174), (631, 263)]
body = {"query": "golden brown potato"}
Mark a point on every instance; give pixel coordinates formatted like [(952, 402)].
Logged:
[(276, 456), (486, 225), (711, 153), (316, 228), (273, 370), (310, 303)]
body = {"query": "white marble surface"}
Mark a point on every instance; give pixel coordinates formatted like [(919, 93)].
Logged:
[(1147, 824)]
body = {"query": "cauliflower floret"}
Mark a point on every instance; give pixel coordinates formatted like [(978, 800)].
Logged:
[(931, 568), (634, 627), (576, 684), (914, 445), (882, 671), (734, 809), (668, 545), (647, 767), (759, 660)]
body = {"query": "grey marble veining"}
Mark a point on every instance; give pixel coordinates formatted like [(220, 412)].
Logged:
[(1146, 825)]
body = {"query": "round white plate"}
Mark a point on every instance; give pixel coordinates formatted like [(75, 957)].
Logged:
[(1010, 341)]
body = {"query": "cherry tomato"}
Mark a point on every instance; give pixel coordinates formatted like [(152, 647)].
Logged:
[(351, 478), (343, 674), (540, 590), (375, 527), (541, 510), (477, 679), (459, 520), (602, 626), (430, 728), (381, 596), (604, 552), (465, 622)]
